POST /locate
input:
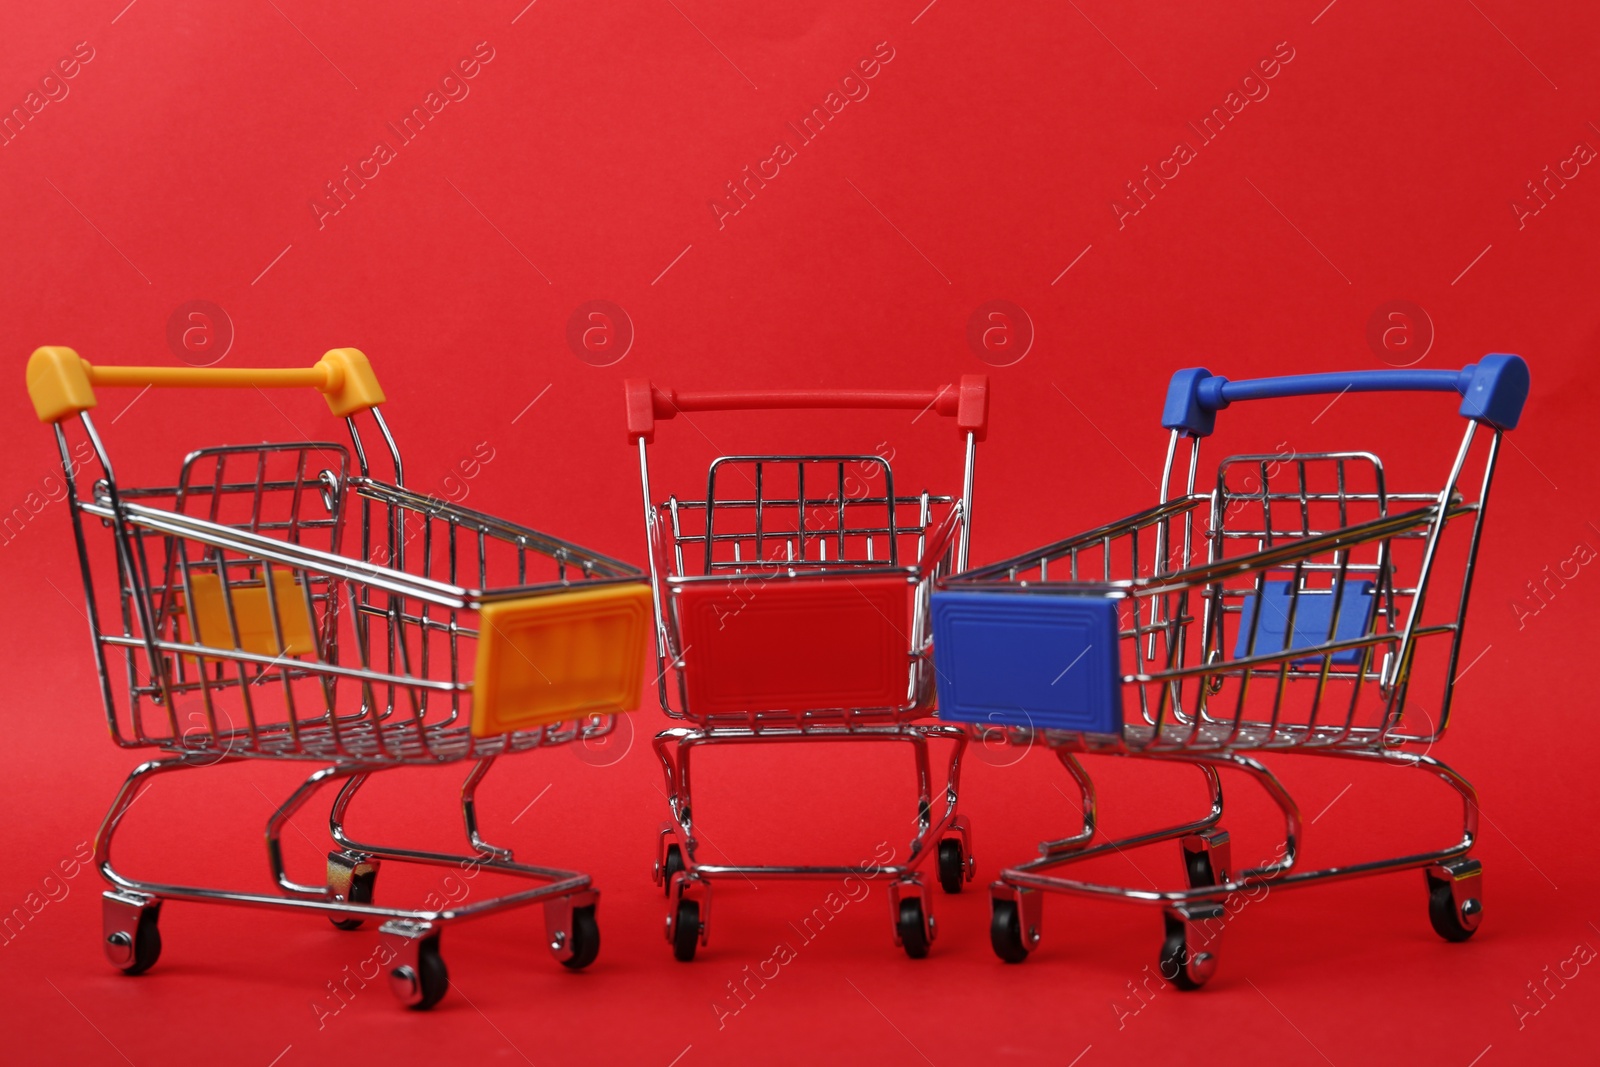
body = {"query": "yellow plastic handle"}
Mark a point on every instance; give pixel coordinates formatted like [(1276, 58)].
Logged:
[(61, 383)]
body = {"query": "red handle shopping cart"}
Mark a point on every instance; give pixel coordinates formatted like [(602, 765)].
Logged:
[(791, 605)]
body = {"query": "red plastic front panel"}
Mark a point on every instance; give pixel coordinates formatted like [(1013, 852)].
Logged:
[(794, 644)]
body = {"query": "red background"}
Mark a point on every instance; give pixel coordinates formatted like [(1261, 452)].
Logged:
[(1381, 167)]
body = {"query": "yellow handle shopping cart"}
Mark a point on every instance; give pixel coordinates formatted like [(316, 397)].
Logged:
[(282, 601)]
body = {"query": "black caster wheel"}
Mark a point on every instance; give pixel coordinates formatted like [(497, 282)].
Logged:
[(913, 930), (673, 865), (686, 931), (362, 886), (1206, 858), (952, 865), (1005, 931), (585, 939), (1175, 963), (1197, 865), (1180, 964), (145, 943), (435, 977), (423, 985), (1449, 919)]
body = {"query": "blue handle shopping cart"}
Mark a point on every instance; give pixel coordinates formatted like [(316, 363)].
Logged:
[(1288, 607)]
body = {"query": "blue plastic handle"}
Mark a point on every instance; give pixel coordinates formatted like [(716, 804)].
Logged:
[(1492, 391)]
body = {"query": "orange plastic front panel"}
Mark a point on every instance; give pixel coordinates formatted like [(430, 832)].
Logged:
[(253, 615), (794, 644), (560, 656)]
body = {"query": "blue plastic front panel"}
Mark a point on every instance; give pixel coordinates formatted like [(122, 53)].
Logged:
[(1025, 659), (1312, 617)]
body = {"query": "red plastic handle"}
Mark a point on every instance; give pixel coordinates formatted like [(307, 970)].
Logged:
[(967, 402)]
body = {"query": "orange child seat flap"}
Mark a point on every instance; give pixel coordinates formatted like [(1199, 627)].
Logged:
[(560, 656)]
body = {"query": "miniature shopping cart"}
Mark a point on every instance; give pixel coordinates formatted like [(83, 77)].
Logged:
[(791, 606), (1299, 605), (279, 603)]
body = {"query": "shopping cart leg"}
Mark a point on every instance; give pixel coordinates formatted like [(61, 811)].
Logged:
[(669, 856), (911, 903), (1207, 854), (281, 816), (919, 745), (1193, 928), (951, 833), (1455, 886), (668, 746), (1086, 809), (956, 863), (672, 749), (352, 874), (1288, 849), (952, 847), (131, 918), (469, 813), (688, 924)]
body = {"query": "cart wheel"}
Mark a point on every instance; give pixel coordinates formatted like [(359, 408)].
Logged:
[(1448, 918), (1005, 931), (145, 942), (913, 930), (362, 885), (423, 986), (131, 930), (686, 930), (1206, 857), (1179, 966), (1197, 865), (673, 865), (952, 865), (585, 939)]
